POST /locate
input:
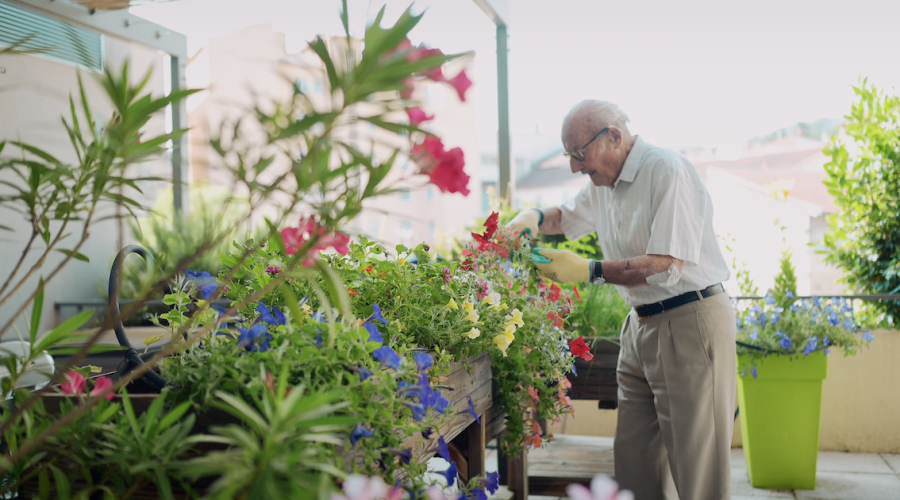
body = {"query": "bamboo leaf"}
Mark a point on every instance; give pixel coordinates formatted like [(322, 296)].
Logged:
[(36, 310), (60, 333), (73, 254)]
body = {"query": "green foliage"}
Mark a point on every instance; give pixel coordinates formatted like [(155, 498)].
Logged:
[(864, 178), (601, 312), (741, 269), (785, 289)]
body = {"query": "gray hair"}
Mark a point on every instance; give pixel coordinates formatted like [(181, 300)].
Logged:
[(595, 115)]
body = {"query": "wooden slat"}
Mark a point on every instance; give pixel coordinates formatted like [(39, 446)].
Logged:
[(475, 435), (568, 459)]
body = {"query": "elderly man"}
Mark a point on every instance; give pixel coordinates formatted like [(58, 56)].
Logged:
[(676, 370)]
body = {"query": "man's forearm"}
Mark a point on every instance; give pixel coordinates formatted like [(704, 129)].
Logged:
[(552, 221), (636, 270)]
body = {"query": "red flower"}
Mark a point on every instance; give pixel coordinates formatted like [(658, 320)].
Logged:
[(369, 269), (555, 293), (417, 116), (557, 320), (487, 246), (352, 292), (428, 153), (580, 349), (100, 385), (575, 289), (74, 383), (295, 238), (461, 83), (491, 225)]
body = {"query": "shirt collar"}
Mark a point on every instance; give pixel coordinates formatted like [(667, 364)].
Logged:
[(629, 170)]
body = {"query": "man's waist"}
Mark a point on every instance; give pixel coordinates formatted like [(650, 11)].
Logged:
[(652, 309)]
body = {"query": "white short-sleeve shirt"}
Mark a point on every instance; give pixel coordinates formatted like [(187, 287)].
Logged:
[(658, 205)]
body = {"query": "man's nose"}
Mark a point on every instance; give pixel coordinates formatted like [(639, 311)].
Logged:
[(575, 165)]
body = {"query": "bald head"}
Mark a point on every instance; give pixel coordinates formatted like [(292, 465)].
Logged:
[(604, 154)]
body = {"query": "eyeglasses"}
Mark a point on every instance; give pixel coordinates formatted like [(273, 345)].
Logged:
[(579, 155)]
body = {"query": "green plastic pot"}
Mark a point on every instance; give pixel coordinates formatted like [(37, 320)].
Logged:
[(780, 411)]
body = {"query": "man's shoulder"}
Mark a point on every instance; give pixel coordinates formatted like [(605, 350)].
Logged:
[(662, 161)]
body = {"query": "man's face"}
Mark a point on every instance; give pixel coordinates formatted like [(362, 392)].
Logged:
[(601, 157)]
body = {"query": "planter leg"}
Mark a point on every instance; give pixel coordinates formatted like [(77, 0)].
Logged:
[(518, 476), (476, 443)]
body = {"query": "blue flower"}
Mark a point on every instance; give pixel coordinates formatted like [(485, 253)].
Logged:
[(775, 317), (810, 345), (405, 455), (817, 301), (762, 319), (440, 402), (318, 340), (794, 308), (574, 371), (418, 409), (358, 433), (826, 342), (256, 334), (374, 335), (471, 410), (753, 371), (376, 316), (754, 334), (423, 360), (868, 337), (757, 308), (477, 494), (364, 373), (427, 433), (451, 473), (769, 299), (442, 449), (786, 342), (387, 357), (204, 282), (789, 294), (492, 482), (317, 316), (848, 324), (273, 317), (833, 319)]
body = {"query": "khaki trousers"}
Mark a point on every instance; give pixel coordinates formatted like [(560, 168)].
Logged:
[(677, 379)]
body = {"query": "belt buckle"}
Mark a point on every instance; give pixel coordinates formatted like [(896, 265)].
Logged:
[(662, 306)]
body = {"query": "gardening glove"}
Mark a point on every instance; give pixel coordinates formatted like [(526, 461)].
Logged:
[(527, 221), (562, 266)]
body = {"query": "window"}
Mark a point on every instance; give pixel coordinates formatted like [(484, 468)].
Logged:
[(405, 194), (58, 40)]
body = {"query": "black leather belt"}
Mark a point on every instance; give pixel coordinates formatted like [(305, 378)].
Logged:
[(648, 310)]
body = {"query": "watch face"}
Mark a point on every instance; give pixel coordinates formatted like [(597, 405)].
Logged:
[(599, 281)]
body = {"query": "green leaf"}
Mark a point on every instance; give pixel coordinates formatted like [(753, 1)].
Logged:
[(94, 349), (318, 46), (73, 254), (36, 310), (63, 490), (60, 333), (345, 20), (173, 416)]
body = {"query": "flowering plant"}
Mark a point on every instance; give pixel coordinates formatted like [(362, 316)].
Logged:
[(783, 324)]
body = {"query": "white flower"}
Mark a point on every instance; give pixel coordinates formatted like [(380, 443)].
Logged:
[(492, 299), (602, 488)]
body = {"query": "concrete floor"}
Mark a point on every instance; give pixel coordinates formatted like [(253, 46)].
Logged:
[(841, 476)]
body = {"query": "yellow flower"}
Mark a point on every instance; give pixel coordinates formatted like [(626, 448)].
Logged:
[(502, 344), (152, 340), (472, 313), (509, 330), (400, 326), (468, 306), (492, 299), (94, 369), (474, 333), (452, 305), (515, 317), (499, 307), (306, 309)]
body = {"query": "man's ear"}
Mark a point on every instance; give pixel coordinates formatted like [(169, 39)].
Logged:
[(616, 135)]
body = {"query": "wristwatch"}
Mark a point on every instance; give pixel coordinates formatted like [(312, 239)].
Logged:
[(597, 273)]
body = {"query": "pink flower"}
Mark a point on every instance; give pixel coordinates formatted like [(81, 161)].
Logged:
[(100, 385), (295, 238), (482, 290), (602, 488), (357, 487), (446, 272), (448, 175), (409, 84), (417, 116), (273, 270), (74, 384), (461, 83), (428, 153)]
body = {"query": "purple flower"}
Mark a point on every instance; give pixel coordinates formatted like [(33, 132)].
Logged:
[(492, 482), (423, 360), (204, 282), (256, 338), (318, 340), (442, 449), (451, 473), (405, 455), (810, 345), (364, 373), (427, 433), (868, 337), (753, 371), (440, 402), (471, 410), (387, 357), (446, 272), (376, 315), (273, 317), (374, 335), (358, 433), (833, 319)]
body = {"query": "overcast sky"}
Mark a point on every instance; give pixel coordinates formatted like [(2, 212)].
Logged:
[(689, 73)]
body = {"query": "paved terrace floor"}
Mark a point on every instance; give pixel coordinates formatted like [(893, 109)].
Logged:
[(841, 476)]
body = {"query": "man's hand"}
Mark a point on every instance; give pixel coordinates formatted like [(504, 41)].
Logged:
[(527, 221), (562, 266)]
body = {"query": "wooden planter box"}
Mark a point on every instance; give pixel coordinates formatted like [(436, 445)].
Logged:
[(596, 379), (466, 436)]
